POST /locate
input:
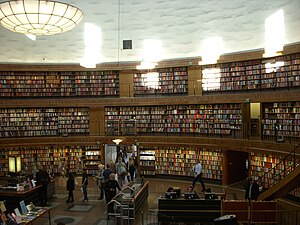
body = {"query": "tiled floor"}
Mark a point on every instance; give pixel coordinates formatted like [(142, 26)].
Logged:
[(93, 212)]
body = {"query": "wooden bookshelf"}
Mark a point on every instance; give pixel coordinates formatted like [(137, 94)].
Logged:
[(44, 84), (147, 161), (33, 122), (164, 81), (55, 159), (261, 163), (91, 158), (204, 120), (180, 161), (281, 121), (252, 75)]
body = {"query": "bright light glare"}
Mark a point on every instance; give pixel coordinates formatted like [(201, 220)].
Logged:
[(92, 50), (146, 65), (274, 34), (152, 50), (151, 80), (31, 37), (273, 67), (211, 50), (92, 36), (211, 79)]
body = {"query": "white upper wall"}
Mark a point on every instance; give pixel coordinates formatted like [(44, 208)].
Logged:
[(181, 26)]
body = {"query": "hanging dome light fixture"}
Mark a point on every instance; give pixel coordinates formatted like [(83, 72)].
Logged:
[(39, 17)]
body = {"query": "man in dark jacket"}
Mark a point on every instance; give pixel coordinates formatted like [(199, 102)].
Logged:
[(110, 187), (43, 178), (252, 189)]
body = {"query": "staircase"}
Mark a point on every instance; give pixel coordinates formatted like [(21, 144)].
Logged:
[(282, 178)]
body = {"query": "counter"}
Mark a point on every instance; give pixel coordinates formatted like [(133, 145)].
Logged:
[(13, 197), (188, 210)]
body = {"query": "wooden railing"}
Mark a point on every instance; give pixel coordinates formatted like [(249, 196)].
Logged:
[(280, 170)]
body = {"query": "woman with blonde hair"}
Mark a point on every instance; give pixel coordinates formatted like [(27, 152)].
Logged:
[(100, 180)]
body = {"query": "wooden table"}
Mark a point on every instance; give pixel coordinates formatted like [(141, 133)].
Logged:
[(40, 214)]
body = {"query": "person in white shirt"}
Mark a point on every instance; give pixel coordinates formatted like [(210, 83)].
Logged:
[(197, 169)]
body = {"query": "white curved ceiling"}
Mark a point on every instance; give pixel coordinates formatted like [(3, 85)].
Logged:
[(181, 25)]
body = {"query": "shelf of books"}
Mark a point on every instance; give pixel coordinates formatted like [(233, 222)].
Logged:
[(268, 169), (165, 81), (181, 160), (91, 159), (203, 120), (32, 122), (147, 161), (270, 73), (112, 122), (3, 162), (296, 192), (281, 121), (55, 159), (59, 84)]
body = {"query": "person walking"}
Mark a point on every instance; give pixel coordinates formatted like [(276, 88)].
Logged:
[(84, 184), (70, 187), (197, 169), (252, 189)]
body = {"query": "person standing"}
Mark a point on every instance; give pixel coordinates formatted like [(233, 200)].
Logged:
[(197, 169), (100, 180), (252, 189), (43, 178), (121, 170), (70, 187), (110, 187), (107, 172), (131, 168), (84, 184)]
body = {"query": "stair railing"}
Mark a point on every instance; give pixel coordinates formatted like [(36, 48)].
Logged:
[(280, 170)]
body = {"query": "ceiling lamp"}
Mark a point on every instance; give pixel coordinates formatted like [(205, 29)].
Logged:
[(117, 141), (39, 17)]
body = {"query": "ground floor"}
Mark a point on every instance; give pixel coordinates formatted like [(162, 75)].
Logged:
[(93, 211)]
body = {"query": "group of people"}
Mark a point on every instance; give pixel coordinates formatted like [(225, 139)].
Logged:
[(109, 179), (108, 183)]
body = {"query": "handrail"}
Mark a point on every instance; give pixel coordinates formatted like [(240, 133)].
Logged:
[(271, 178)]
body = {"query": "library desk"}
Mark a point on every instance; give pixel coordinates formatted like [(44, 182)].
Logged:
[(188, 210), (13, 198)]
